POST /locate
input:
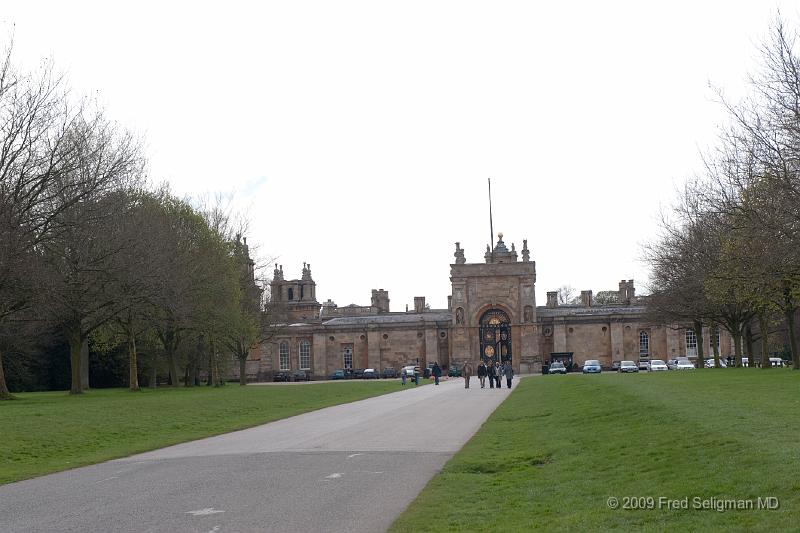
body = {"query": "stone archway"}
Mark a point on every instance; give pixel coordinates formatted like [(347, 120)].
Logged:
[(495, 336)]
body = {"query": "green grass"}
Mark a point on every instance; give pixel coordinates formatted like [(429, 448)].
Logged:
[(555, 451), (46, 432)]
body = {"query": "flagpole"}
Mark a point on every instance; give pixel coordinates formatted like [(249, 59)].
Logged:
[(491, 225)]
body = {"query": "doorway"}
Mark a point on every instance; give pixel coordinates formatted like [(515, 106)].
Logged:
[(495, 332)]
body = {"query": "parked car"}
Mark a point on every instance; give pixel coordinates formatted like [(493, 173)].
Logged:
[(300, 375), (358, 373), (339, 374), (615, 366), (644, 365), (389, 372), (627, 366), (370, 373), (557, 367), (657, 365), (684, 364), (672, 364), (592, 366), (709, 363), (454, 372), (410, 370), (281, 376)]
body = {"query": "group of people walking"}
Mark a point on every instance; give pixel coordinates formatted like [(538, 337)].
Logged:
[(493, 372)]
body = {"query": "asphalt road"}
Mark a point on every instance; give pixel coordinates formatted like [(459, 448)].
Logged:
[(348, 468)]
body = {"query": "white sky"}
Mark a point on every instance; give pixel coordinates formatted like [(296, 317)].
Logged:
[(359, 135)]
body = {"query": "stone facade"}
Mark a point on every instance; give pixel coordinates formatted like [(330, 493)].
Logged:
[(492, 313)]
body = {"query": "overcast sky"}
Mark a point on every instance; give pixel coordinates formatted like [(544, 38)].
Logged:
[(359, 136)]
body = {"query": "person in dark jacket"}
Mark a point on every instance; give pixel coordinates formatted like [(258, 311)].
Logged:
[(437, 373), (490, 373), (482, 373), (508, 372), (498, 373)]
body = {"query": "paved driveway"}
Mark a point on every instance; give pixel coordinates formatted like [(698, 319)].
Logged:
[(348, 468)]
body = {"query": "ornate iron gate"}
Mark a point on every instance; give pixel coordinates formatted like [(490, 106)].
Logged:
[(495, 332)]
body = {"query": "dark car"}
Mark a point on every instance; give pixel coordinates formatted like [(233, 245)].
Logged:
[(300, 375), (454, 372), (358, 373), (281, 376), (339, 374), (389, 372), (615, 366), (370, 373), (557, 367)]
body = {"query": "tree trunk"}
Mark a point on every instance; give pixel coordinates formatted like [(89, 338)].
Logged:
[(243, 371), (698, 331), (737, 347), (5, 394), (75, 348), (762, 325), (214, 366), (714, 346), (174, 380), (210, 380), (134, 367), (85, 363), (748, 341), (792, 338), (191, 372)]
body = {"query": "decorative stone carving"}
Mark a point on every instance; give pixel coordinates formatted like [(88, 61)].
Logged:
[(528, 314), (460, 316), (460, 260)]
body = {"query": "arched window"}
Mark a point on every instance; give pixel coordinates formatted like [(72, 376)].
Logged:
[(494, 317), (644, 344), (305, 355), (284, 356), (691, 343), (347, 357)]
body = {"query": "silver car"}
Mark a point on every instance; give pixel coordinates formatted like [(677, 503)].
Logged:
[(592, 366), (657, 365)]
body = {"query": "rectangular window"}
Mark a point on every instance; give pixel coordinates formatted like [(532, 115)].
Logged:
[(284, 356), (644, 345), (691, 343), (348, 356), (305, 355)]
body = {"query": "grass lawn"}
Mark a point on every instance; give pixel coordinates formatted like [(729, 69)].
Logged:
[(559, 447), (46, 432)]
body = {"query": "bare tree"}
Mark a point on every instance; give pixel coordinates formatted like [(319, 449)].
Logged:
[(567, 295)]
